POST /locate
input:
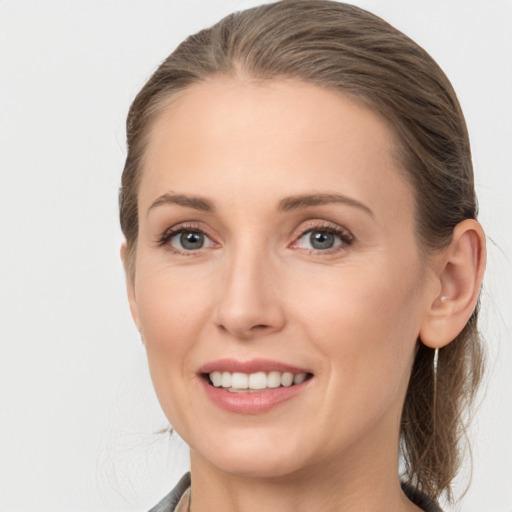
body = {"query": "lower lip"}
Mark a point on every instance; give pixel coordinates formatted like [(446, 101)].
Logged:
[(252, 403)]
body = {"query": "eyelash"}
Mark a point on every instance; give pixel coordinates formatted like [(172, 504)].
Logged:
[(346, 238)]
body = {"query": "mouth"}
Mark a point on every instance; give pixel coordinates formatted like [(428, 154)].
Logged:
[(252, 387), (238, 382)]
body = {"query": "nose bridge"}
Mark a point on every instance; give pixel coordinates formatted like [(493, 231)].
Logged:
[(248, 304)]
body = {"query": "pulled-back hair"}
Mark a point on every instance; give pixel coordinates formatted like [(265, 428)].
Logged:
[(345, 48)]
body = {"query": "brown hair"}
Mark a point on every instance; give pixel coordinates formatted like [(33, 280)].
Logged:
[(343, 47)]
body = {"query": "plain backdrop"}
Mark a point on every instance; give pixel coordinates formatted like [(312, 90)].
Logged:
[(78, 418)]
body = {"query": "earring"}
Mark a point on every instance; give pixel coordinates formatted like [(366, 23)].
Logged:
[(141, 337), (442, 299), (436, 359), (434, 376)]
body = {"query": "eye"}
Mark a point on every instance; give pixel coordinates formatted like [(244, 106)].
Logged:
[(321, 240), (324, 239), (186, 240)]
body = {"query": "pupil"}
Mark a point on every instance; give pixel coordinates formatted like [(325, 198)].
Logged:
[(190, 240), (321, 240)]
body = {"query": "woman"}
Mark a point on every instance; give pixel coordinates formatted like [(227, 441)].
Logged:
[(304, 262)]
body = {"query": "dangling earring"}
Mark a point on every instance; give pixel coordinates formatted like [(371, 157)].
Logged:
[(435, 361), (141, 337), (434, 376)]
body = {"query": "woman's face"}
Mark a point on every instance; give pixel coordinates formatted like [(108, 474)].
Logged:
[(276, 237)]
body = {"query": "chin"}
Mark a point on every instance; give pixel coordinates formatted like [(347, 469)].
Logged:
[(257, 467), (254, 456)]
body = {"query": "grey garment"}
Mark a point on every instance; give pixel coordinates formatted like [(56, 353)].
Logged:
[(168, 504)]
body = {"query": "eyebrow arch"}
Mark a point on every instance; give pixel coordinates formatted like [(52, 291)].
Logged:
[(303, 201), (197, 203), (286, 204)]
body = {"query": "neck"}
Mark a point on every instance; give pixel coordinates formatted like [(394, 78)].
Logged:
[(360, 482)]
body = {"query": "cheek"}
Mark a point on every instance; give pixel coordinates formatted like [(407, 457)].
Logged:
[(171, 302), (172, 312), (352, 301), (365, 323)]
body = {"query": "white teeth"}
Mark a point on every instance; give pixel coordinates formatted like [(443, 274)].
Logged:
[(255, 381), (258, 380), (240, 381), (299, 378), (273, 380), (226, 380), (287, 379), (216, 378)]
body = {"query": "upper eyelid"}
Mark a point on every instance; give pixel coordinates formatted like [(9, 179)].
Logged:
[(186, 226), (322, 225)]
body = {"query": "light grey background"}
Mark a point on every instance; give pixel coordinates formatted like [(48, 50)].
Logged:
[(77, 413)]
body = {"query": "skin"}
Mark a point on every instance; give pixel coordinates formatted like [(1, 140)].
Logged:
[(351, 314)]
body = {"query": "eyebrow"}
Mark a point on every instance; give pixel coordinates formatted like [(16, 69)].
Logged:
[(286, 204), (306, 200), (197, 203)]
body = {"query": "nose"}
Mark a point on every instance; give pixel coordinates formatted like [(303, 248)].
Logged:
[(250, 300)]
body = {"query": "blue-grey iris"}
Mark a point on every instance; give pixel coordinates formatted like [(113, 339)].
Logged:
[(191, 240), (321, 240)]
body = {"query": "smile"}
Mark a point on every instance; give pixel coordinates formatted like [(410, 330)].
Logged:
[(252, 387), (238, 382)]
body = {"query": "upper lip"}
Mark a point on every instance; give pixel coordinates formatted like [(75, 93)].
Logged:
[(252, 366)]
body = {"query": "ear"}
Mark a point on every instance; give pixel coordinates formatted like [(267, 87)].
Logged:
[(459, 270), (130, 285)]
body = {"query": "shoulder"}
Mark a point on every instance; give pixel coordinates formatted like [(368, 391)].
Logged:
[(168, 504)]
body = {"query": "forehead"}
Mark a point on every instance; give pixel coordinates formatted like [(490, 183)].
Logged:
[(283, 109), (234, 136)]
